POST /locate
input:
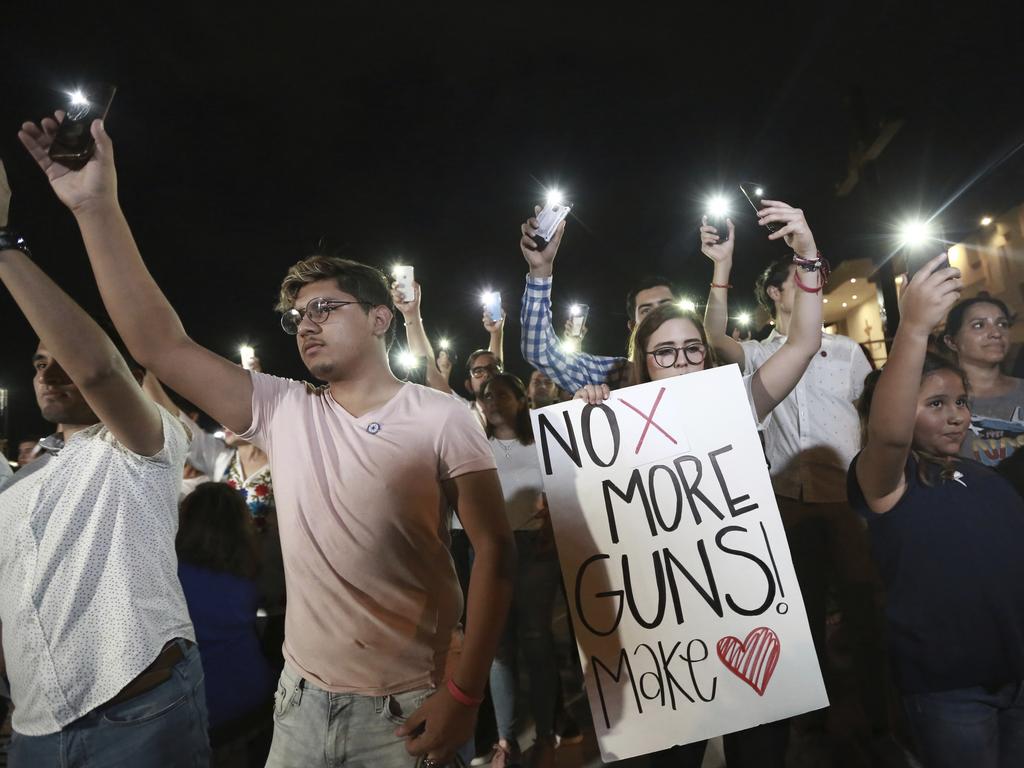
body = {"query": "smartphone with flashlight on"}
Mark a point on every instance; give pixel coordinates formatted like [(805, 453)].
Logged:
[(919, 258), (550, 216), (492, 305), (73, 145), (717, 219), (578, 319), (754, 193)]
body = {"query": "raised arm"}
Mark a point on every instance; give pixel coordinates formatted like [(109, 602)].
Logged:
[(540, 346), (416, 336), (774, 380), (81, 348), (890, 430), (496, 332), (143, 316), (716, 315)]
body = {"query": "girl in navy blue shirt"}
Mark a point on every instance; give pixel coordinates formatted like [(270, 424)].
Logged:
[(947, 534)]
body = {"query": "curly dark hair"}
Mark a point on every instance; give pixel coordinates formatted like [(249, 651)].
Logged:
[(215, 531)]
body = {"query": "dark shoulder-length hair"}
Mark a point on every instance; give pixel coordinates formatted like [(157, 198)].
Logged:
[(215, 531), (646, 328), (930, 468), (523, 426)]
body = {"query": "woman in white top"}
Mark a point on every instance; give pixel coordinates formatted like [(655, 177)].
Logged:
[(506, 407)]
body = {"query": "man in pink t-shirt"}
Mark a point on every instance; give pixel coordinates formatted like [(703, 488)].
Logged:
[(364, 470)]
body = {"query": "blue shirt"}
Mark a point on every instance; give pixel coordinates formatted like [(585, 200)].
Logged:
[(951, 558), (223, 609)]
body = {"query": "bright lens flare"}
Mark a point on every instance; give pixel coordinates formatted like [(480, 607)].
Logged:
[(759, 191), (575, 310), (570, 346), (687, 305), (986, 220), (553, 197), (486, 297), (915, 233), (408, 360), (718, 206), (78, 98), (444, 344), (744, 318)]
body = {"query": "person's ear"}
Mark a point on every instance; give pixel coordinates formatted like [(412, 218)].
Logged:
[(382, 319), (630, 325), (950, 343)]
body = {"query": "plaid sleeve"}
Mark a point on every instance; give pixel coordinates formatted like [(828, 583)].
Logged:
[(541, 348)]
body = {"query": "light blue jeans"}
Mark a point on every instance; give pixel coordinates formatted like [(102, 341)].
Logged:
[(162, 728), (314, 727), (528, 629), (976, 727)]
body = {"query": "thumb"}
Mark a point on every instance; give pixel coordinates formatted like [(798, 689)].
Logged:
[(732, 227), (104, 146)]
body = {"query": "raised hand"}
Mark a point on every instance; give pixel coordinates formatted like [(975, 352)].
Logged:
[(794, 230), (95, 184), (930, 295), (444, 364), (493, 326), (540, 261), (568, 330), (407, 308), (711, 245)]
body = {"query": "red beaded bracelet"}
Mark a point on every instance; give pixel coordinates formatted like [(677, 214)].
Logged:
[(461, 696), (719, 285)]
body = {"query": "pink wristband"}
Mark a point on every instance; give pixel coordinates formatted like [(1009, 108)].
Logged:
[(461, 696)]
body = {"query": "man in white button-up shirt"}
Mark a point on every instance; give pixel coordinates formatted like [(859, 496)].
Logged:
[(811, 440), (97, 641)]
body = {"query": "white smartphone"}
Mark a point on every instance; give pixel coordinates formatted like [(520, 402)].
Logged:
[(492, 305), (578, 318), (548, 219), (404, 278)]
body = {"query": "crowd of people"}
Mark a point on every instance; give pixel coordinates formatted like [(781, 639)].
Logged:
[(352, 569)]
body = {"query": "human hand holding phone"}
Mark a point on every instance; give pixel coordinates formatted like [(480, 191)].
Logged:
[(789, 226), (930, 295), (540, 260), (711, 244), (92, 186)]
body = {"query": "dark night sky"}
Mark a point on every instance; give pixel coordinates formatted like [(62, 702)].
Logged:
[(246, 137)]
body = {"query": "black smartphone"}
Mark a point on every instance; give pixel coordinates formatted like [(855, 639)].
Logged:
[(918, 258), (754, 193), (718, 221), (73, 145)]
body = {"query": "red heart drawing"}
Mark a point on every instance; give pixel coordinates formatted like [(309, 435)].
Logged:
[(752, 660)]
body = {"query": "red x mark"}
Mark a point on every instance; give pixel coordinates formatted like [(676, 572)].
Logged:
[(649, 418)]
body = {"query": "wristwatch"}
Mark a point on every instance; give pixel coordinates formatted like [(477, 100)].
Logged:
[(12, 241)]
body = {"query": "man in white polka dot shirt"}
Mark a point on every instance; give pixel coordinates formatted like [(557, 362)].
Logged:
[(97, 642)]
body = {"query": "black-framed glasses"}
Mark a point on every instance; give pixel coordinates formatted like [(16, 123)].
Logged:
[(317, 310), (666, 357), (479, 371)]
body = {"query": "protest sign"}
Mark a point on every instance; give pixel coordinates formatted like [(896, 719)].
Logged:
[(688, 615)]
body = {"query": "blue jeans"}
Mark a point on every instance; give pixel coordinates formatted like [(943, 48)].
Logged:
[(314, 727), (528, 628), (162, 728), (976, 727)]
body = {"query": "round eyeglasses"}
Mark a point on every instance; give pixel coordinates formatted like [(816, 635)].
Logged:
[(666, 357), (317, 310)]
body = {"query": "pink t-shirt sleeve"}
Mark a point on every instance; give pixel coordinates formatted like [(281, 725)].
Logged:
[(462, 445), (268, 392)]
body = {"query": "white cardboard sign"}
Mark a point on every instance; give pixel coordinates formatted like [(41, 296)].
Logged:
[(688, 616)]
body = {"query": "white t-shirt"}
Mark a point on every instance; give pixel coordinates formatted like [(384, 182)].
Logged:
[(89, 590), (521, 482)]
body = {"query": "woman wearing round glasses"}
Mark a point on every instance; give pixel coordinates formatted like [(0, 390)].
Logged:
[(671, 341)]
